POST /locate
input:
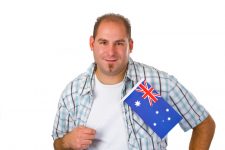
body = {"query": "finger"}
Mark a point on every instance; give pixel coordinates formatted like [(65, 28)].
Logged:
[(87, 136), (88, 130), (86, 142)]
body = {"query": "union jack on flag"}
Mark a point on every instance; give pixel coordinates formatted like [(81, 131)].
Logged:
[(152, 108), (148, 92)]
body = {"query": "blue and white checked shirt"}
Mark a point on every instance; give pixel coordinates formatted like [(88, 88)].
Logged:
[(76, 102)]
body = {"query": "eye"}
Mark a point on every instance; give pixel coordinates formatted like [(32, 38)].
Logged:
[(120, 43), (103, 42)]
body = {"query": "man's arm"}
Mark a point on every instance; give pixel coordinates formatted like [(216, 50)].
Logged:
[(202, 135), (78, 139)]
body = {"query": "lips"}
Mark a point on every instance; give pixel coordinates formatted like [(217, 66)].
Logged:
[(110, 60)]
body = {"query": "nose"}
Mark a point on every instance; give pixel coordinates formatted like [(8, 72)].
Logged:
[(111, 49)]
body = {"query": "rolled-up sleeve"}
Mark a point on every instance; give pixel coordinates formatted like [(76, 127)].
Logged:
[(186, 104), (60, 127)]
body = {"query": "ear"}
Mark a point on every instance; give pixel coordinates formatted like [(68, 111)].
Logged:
[(91, 42), (131, 44)]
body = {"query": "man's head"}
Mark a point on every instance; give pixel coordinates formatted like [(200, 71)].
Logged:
[(115, 18), (111, 44)]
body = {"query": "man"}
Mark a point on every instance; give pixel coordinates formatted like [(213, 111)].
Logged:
[(90, 113)]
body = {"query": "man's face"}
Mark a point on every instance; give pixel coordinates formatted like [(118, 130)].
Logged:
[(111, 48)]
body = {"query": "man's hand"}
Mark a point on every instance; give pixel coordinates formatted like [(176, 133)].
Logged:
[(78, 139)]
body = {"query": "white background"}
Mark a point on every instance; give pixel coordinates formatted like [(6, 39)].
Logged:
[(44, 45)]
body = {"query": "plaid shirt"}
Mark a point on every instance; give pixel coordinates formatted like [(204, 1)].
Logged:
[(77, 99)]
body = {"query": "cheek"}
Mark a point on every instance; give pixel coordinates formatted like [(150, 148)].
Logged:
[(125, 53), (98, 54)]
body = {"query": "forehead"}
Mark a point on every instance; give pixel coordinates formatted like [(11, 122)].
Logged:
[(108, 27)]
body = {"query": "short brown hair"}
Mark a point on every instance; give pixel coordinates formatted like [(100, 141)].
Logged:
[(115, 18)]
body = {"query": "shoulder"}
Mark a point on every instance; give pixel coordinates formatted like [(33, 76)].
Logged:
[(76, 85), (145, 71), (80, 84), (159, 79)]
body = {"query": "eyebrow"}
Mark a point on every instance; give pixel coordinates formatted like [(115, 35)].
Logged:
[(121, 40), (100, 40)]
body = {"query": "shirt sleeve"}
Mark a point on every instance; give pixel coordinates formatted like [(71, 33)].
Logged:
[(186, 104), (60, 126)]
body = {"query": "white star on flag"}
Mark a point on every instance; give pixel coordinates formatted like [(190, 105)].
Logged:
[(137, 103)]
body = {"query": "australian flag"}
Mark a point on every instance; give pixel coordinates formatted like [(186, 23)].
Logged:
[(152, 108)]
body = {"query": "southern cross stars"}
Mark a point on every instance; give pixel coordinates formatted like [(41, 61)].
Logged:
[(168, 118)]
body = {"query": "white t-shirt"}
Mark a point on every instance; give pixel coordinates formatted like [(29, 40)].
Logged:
[(107, 119)]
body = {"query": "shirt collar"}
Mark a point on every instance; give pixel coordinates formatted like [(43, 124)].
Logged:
[(131, 74), (88, 82)]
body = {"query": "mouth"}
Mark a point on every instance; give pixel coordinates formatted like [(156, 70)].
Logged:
[(111, 60)]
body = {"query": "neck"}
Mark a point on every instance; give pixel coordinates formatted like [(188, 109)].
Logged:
[(110, 79)]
